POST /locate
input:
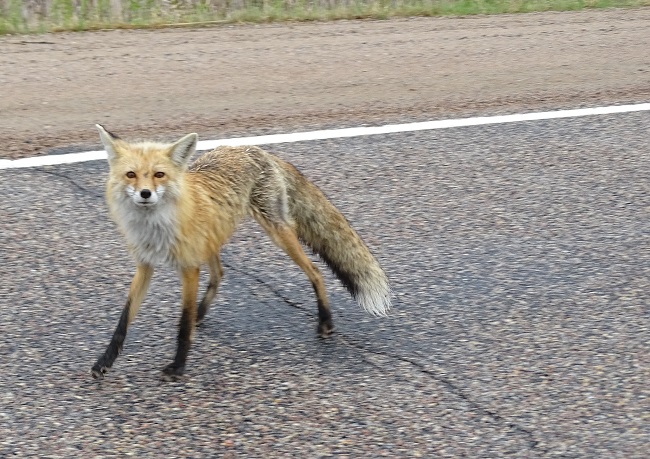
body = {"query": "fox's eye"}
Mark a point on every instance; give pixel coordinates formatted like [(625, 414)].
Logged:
[(130, 174), (159, 174)]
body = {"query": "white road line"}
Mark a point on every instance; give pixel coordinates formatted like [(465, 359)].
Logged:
[(341, 133)]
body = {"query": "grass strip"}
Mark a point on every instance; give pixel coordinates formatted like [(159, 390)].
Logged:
[(38, 16)]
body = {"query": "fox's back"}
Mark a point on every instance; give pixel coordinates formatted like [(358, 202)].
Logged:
[(224, 176), (229, 164), (238, 176)]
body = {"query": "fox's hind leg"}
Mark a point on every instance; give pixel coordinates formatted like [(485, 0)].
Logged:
[(270, 207), (216, 273), (285, 237)]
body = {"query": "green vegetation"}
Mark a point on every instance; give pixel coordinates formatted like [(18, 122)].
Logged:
[(18, 16)]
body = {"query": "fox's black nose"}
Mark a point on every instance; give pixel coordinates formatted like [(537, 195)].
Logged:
[(145, 194)]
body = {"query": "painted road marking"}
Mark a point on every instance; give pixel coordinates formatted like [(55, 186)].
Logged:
[(341, 133)]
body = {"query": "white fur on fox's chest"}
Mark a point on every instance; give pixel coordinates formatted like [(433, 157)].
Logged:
[(151, 233)]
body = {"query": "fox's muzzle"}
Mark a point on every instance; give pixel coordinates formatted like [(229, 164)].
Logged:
[(145, 196)]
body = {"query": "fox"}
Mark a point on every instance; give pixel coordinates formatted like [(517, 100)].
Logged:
[(180, 214)]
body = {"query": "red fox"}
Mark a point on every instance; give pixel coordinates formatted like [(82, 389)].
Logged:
[(174, 213)]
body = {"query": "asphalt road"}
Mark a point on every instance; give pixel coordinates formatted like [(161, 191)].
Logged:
[(520, 259)]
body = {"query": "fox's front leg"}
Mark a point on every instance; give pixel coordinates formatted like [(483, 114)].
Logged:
[(138, 290), (190, 277)]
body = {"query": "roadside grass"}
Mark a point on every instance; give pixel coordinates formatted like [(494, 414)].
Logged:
[(18, 16)]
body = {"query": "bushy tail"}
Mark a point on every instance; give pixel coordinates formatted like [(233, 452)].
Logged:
[(325, 230)]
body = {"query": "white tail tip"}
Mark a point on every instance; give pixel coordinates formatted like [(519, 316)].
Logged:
[(376, 301)]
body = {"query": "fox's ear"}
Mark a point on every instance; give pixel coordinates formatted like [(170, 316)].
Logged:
[(108, 140), (182, 151)]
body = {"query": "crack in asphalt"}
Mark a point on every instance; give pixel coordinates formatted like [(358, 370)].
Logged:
[(450, 386), (86, 191), (497, 418), (268, 286)]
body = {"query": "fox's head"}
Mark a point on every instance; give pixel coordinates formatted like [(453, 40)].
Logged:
[(146, 173)]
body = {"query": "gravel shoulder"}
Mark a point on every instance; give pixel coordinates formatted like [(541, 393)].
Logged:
[(254, 79)]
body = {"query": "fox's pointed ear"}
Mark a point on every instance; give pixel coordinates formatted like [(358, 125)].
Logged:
[(108, 140), (182, 151)]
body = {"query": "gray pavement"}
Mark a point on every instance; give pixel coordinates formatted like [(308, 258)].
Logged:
[(520, 259)]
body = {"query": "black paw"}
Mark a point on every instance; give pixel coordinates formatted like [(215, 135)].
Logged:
[(325, 329), (201, 312), (98, 371), (172, 372)]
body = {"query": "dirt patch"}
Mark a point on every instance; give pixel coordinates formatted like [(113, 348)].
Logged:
[(245, 80)]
